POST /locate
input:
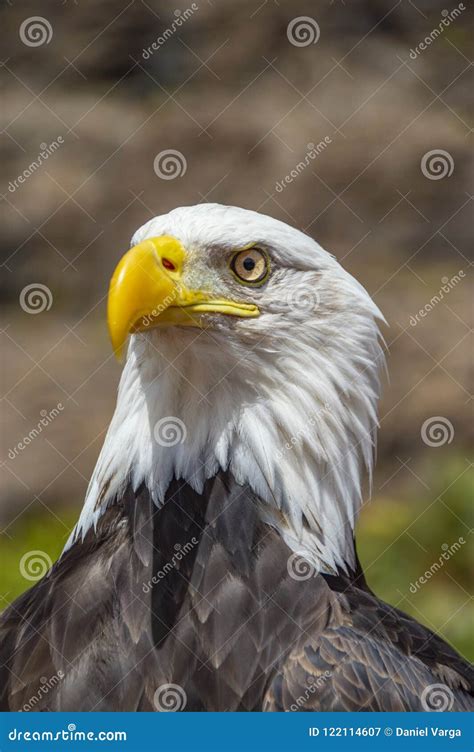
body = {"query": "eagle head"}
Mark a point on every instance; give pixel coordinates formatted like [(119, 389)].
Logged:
[(252, 351)]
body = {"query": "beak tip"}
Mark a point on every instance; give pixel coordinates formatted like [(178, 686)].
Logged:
[(138, 286), (118, 347), (117, 342)]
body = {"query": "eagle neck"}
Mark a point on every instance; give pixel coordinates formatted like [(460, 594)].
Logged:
[(181, 417)]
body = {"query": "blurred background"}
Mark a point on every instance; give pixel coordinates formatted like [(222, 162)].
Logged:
[(350, 121)]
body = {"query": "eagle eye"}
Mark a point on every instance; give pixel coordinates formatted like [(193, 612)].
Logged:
[(251, 267)]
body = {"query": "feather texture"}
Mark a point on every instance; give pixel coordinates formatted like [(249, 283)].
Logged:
[(286, 401), (121, 615), (180, 569)]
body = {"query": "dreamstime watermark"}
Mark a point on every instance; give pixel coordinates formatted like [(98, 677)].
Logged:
[(303, 299), (47, 417), (437, 164), (449, 283), (180, 18), (448, 16), (448, 553), (299, 568), (69, 734), (303, 31), (179, 555), (150, 318), (315, 684), (313, 151), (437, 431), (170, 431), (170, 698), (46, 150), (36, 298), (170, 164), (437, 698), (303, 433), (34, 565), (45, 686), (36, 31)]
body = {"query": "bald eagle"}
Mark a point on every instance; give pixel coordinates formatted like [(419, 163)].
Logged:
[(213, 566)]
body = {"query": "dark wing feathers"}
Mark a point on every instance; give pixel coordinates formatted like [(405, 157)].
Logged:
[(68, 642), (378, 659), (197, 593)]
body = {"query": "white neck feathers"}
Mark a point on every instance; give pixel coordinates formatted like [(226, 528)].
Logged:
[(292, 415)]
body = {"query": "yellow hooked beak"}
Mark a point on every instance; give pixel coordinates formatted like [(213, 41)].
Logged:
[(146, 290)]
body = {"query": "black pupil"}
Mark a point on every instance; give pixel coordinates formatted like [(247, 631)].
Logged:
[(249, 264)]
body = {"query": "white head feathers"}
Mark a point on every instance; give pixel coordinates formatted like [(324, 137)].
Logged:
[(286, 401)]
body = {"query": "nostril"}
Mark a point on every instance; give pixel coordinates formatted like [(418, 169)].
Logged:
[(168, 264)]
